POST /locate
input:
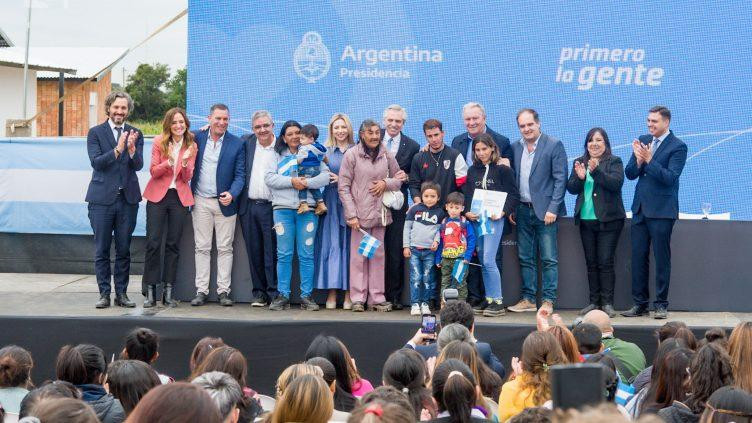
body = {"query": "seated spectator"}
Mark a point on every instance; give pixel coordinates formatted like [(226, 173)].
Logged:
[(533, 415), (84, 366), (457, 393), (203, 347), (224, 391), (715, 335), (58, 410), (380, 411), (688, 337), (588, 338), (129, 381), (610, 376), (635, 403), (671, 384), (330, 377), (391, 395), (452, 332), (563, 335), (710, 370), (333, 350), (229, 360), (293, 372), (740, 350), (306, 399), (490, 383), (597, 414), (143, 344), (629, 354), (53, 389), (406, 370), (456, 312), (529, 386), (176, 402), (15, 377), (668, 330), (728, 404)]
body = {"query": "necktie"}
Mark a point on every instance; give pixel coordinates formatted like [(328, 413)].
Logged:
[(654, 144), (119, 130), (389, 144)]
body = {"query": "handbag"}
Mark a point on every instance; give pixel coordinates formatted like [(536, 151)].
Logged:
[(392, 199)]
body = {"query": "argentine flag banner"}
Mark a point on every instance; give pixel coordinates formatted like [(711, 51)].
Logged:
[(368, 245), (459, 270), (485, 224), (288, 166)]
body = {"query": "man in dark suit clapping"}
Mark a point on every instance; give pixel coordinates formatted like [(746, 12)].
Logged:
[(116, 152), (657, 162)]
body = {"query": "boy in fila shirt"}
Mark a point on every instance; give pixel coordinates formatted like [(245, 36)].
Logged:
[(420, 240)]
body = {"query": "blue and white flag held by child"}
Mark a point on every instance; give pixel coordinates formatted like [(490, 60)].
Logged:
[(485, 224), (368, 245), (459, 270), (288, 166)]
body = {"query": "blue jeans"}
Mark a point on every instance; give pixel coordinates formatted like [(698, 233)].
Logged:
[(309, 172), (295, 230), (488, 245), (533, 234), (422, 283)]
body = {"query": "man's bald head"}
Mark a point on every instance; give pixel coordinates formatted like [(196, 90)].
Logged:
[(600, 319)]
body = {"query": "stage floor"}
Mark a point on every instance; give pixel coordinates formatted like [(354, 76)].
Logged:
[(41, 294)]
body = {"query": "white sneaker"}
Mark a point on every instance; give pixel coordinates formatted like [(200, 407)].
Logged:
[(424, 309), (415, 310)]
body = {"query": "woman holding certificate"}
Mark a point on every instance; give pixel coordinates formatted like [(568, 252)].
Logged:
[(492, 192), (596, 179)]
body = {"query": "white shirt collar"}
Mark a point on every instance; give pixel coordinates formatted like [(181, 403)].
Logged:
[(270, 147), (663, 137), (397, 138), (113, 126)]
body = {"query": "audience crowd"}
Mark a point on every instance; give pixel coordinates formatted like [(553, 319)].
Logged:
[(446, 377)]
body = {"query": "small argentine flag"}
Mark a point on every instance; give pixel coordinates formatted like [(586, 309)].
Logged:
[(624, 393), (288, 166), (485, 224), (368, 245), (459, 270)]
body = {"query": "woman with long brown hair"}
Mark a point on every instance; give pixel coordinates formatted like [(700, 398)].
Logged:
[(173, 155), (740, 350)]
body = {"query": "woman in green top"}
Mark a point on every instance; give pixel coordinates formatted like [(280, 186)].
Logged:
[(596, 179)]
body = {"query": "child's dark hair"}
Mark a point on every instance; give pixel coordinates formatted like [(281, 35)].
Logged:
[(588, 338), (406, 370), (310, 131), (142, 344), (456, 198), (15, 367), (430, 185), (454, 390), (81, 364)]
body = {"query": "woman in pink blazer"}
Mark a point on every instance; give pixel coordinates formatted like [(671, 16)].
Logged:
[(169, 195)]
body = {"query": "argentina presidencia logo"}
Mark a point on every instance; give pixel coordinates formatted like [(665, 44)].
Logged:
[(312, 59)]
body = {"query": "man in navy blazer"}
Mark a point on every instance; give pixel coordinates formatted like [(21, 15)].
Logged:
[(256, 213), (456, 312), (474, 118), (540, 163), (218, 180), (116, 153), (404, 149), (657, 162)]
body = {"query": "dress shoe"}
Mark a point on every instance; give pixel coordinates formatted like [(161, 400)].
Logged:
[(104, 301), (167, 299), (588, 309), (636, 311), (609, 309), (151, 293), (225, 300), (397, 306), (122, 300), (199, 300), (660, 313)]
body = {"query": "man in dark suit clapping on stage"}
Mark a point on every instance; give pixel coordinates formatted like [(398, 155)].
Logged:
[(657, 162), (116, 153)]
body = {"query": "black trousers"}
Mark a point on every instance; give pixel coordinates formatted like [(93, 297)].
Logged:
[(395, 262), (647, 231), (118, 218), (599, 242), (261, 245), (170, 215)]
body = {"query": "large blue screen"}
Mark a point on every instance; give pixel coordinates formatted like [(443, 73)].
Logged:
[(580, 64)]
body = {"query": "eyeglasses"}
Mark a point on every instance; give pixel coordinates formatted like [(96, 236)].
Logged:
[(265, 126)]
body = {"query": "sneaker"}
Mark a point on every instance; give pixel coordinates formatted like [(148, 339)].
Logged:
[(495, 309), (384, 307), (199, 300), (225, 300), (415, 310), (320, 209), (306, 303), (425, 309), (480, 306), (258, 302), (347, 304), (660, 313), (280, 303), (523, 306), (358, 307), (548, 306), (303, 208)]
